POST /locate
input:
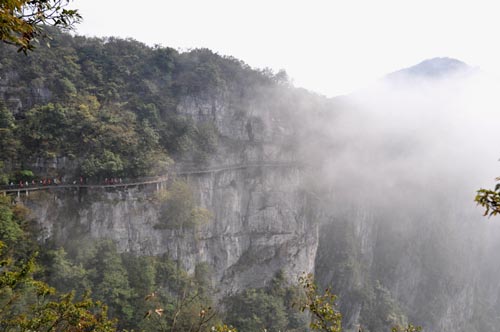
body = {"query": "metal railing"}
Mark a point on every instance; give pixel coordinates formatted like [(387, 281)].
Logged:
[(85, 183), (117, 183)]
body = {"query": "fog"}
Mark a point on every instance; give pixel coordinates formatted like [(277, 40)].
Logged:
[(401, 161), (429, 135)]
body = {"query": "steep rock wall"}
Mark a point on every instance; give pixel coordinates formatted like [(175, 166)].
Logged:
[(262, 220), (261, 223)]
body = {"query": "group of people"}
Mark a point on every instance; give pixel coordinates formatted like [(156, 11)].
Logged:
[(58, 181), (112, 181), (41, 182)]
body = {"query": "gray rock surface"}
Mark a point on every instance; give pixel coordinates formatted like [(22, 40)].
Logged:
[(262, 220)]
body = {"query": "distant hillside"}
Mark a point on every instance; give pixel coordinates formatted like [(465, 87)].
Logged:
[(432, 68)]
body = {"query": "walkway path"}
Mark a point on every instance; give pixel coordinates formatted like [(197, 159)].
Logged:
[(220, 168), (17, 189), (4, 190)]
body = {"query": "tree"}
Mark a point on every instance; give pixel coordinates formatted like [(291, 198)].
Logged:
[(178, 208), (489, 199), (255, 310), (325, 317), (28, 304), (110, 281), (9, 142), (409, 328), (23, 21), (31, 305)]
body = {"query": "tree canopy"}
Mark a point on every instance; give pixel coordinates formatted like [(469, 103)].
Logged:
[(116, 108), (22, 21), (28, 303)]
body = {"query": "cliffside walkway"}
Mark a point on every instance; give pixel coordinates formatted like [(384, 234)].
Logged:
[(193, 170), (185, 171), (125, 184)]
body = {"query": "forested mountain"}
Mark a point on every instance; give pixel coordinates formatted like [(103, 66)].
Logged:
[(251, 183), (85, 110), (110, 105)]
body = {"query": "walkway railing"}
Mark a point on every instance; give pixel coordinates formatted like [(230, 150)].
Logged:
[(77, 184), (194, 170)]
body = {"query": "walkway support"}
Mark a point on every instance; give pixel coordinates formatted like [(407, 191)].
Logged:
[(160, 181)]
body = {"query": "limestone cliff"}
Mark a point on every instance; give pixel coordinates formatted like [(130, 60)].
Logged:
[(368, 191), (262, 218)]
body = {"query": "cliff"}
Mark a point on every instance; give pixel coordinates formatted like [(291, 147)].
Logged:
[(368, 191), (262, 219)]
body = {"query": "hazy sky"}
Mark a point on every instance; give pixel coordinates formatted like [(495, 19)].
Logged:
[(331, 47)]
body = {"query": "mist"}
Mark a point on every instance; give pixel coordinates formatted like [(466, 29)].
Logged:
[(397, 166), (421, 137), (373, 191)]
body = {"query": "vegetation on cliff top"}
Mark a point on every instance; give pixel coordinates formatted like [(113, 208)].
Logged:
[(110, 106)]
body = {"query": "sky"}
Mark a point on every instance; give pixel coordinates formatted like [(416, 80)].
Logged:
[(330, 47)]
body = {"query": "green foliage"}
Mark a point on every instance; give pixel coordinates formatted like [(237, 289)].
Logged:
[(88, 98), (145, 293), (186, 314), (106, 164), (31, 305), (109, 142), (408, 328), (206, 139), (112, 107), (489, 200), (28, 304), (110, 280), (13, 222), (9, 144), (178, 208), (360, 284), (223, 328), (325, 316), (141, 273), (22, 21), (24, 175), (142, 292), (179, 302), (380, 309), (61, 271), (196, 142), (4, 178), (269, 308), (10, 230), (255, 310)]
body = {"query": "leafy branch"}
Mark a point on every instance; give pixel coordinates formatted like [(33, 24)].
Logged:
[(489, 200), (22, 21)]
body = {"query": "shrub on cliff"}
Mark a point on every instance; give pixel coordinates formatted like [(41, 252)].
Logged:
[(178, 208), (29, 304)]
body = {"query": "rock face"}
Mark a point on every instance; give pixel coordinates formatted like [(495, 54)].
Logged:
[(385, 225), (10, 92), (262, 219)]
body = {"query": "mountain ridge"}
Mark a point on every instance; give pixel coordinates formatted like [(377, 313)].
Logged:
[(432, 68)]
